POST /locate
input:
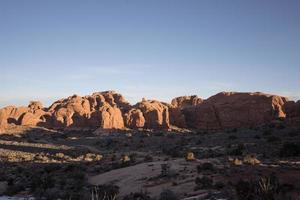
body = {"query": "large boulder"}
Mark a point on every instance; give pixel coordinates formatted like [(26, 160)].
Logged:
[(234, 110)]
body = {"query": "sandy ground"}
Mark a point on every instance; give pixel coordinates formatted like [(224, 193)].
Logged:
[(146, 177)]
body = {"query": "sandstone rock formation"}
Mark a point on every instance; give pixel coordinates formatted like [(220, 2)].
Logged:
[(156, 114), (31, 115), (134, 118), (102, 109), (109, 110), (234, 110), (292, 110), (186, 101)]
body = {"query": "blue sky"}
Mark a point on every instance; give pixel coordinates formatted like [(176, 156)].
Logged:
[(156, 49)]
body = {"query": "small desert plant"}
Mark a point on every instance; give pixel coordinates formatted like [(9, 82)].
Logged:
[(237, 151), (165, 169), (267, 132), (104, 192), (143, 195), (232, 137), (265, 188), (289, 150), (203, 183), (168, 195), (273, 139), (293, 134), (219, 185), (205, 167)]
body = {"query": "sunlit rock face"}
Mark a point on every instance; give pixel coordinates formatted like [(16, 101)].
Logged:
[(32, 115), (186, 101), (134, 118), (110, 110), (156, 114), (101, 109)]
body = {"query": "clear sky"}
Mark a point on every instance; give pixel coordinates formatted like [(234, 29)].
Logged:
[(156, 49)]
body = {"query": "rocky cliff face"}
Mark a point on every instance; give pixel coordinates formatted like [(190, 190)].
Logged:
[(293, 113), (234, 110), (186, 101), (109, 110)]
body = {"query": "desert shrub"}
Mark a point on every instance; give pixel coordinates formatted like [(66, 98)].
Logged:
[(205, 167), (203, 183), (265, 188), (280, 126), (245, 190), (173, 151), (237, 151), (290, 149), (293, 134), (267, 132), (257, 137), (198, 142), (234, 130), (133, 157), (272, 139), (232, 137), (148, 158), (168, 195), (104, 192), (219, 185), (143, 195)]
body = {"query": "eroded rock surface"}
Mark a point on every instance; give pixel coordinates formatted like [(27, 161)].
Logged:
[(234, 110), (110, 110)]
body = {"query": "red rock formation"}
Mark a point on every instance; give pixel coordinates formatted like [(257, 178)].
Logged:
[(185, 101), (156, 114), (109, 110), (134, 118), (101, 109), (293, 113), (234, 110), (31, 115)]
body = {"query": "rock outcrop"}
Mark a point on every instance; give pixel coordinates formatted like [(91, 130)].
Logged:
[(31, 115), (101, 109), (109, 110), (186, 101), (292, 110), (234, 110), (156, 114), (134, 118)]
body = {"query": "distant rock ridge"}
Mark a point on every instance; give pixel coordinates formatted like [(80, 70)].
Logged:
[(110, 110)]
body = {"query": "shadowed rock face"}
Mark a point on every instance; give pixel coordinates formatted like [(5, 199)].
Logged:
[(233, 110), (109, 110), (293, 112)]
